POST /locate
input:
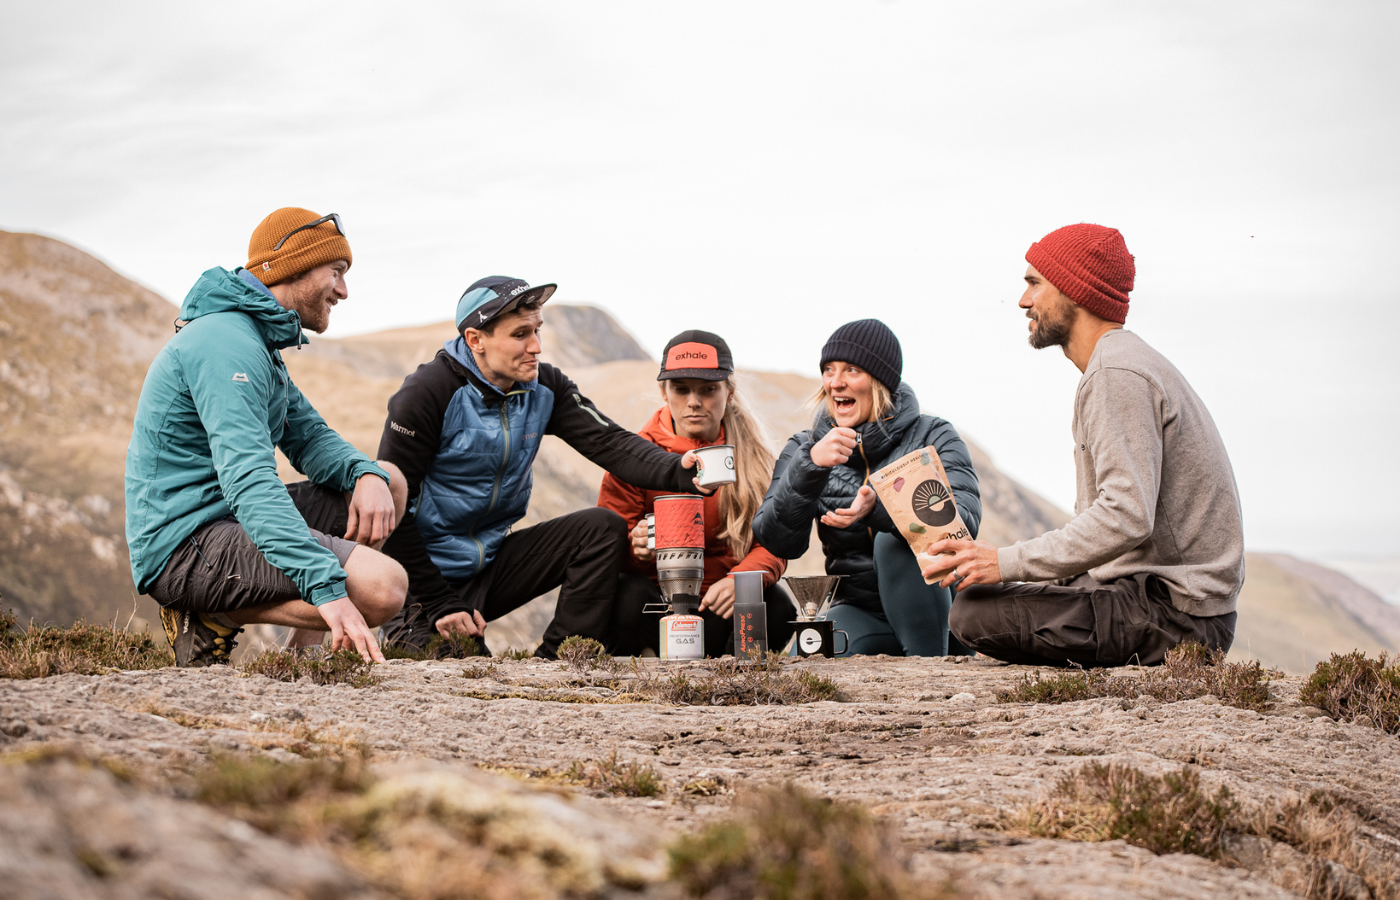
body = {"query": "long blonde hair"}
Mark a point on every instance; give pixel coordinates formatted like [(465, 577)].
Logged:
[(753, 462)]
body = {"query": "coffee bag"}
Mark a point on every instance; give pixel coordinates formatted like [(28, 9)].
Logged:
[(915, 492)]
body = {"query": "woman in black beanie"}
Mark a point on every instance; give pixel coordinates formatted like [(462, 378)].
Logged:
[(866, 417)]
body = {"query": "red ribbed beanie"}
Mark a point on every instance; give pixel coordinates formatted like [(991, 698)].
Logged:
[(1090, 264)]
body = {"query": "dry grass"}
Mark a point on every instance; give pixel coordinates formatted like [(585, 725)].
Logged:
[(723, 682), (452, 646), (512, 653), (704, 787), (1189, 671), (1354, 688), (425, 836), (340, 667), (1173, 813), (607, 775), (39, 754), (43, 650), (785, 844), (1333, 836), (584, 655), (277, 796), (610, 776), (490, 670), (1163, 813), (733, 682)]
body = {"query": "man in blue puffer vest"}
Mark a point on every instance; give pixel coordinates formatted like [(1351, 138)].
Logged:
[(215, 537), (465, 429)]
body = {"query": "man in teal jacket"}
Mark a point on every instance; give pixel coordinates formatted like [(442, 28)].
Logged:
[(215, 537)]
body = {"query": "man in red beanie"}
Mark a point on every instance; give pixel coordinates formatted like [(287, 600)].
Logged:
[(1154, 555)]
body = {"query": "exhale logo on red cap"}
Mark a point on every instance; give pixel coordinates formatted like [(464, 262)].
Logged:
[(692, 355)]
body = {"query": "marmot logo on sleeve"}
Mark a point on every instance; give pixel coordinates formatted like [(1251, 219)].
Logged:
[(240, 376), (402, 430)]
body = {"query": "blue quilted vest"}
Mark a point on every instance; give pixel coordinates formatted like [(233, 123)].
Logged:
[(479, 483)]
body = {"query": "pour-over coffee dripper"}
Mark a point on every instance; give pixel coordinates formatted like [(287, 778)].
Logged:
[(812, 594)]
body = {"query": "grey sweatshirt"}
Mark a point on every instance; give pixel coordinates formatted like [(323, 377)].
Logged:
[(1155, 492)]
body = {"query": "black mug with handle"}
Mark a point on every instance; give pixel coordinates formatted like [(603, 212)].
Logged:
[(818, 638)]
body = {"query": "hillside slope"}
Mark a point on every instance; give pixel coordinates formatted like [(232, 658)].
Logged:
[(77, 339)]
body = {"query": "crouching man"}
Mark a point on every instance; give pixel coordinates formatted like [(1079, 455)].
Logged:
[(215, 537), (465, 429), (1154, 555)]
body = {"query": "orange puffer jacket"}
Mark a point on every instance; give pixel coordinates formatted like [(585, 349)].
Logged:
[(633, 502)]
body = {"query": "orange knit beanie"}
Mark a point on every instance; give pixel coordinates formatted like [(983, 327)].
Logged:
[(1090, 264), (301, 252)]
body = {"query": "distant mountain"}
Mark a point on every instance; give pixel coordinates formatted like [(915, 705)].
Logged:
[(1293, 613), (77, 338)]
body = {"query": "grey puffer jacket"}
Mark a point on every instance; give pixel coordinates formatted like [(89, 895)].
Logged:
[(802, 492)]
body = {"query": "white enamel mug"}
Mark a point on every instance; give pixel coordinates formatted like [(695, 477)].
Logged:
[(715, 465)]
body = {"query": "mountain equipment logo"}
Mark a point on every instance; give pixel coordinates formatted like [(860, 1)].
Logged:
[(402, 430), (241, 376)]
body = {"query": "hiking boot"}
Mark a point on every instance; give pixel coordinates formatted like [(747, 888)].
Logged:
[(198, 641), (410, 630)]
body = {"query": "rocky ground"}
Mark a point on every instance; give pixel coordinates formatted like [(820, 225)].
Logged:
[(922, 743)]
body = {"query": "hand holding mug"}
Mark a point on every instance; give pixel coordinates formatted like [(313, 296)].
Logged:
[(639, 542), (688, 461), (835, 448)]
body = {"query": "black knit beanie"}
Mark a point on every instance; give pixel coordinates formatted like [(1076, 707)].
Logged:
[(870, 345)]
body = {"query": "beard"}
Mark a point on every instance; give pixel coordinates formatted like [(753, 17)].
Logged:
[(312, 303), (1050, 331)]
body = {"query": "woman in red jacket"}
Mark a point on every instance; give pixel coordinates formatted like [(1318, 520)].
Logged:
[(702, 408)]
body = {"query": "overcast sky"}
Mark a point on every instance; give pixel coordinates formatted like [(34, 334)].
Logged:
[(772, 170)]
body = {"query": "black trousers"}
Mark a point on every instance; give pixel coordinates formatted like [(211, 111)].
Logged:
[(1084, 623), (578, 553), (633, 630)]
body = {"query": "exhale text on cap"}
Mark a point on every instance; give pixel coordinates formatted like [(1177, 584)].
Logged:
[(494, 295), (696, 354)]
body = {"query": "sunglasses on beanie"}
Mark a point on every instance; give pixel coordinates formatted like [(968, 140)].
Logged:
[(333, 218)]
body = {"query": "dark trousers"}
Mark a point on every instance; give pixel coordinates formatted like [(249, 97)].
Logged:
[(913, 616), (1083, 623), (633, 631), (578, 553)]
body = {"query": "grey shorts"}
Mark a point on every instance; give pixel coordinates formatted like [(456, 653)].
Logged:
[(218, 568)]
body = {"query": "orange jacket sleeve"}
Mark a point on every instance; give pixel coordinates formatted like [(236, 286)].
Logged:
[(760, 560)]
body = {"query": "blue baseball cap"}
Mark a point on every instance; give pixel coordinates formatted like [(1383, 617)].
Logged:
[(494, 295)]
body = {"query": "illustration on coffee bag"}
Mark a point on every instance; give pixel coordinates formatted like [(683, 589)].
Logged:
[(925, 513)]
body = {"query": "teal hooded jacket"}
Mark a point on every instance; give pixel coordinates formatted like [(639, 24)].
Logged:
[(216, 402)]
